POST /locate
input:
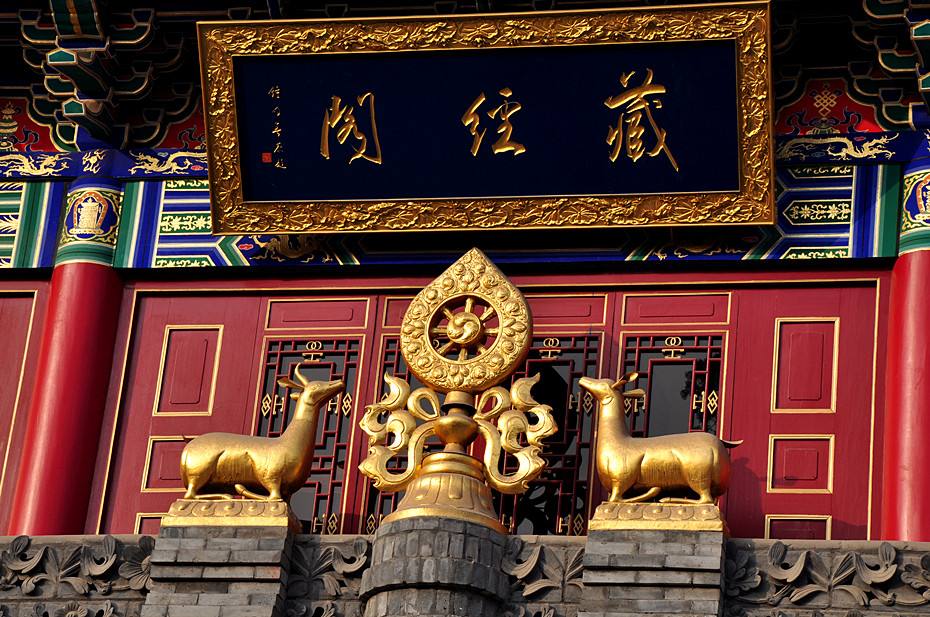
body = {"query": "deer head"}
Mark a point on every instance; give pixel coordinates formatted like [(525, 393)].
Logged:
[(309, 394), (605, 389)]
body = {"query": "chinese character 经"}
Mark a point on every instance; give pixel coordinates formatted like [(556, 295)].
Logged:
[(472, 121), (343, 116), (636, 103)]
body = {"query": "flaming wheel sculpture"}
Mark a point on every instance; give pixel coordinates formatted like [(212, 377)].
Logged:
[(464, 331), (461, 336)]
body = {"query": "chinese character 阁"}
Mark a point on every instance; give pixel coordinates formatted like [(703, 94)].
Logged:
[(341, 118), (472, 121), (635, 104)]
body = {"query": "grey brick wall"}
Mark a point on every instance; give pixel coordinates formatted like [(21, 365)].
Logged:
[(432, 566), (643, 572), (219, 572)]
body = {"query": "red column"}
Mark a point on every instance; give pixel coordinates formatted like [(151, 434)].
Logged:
[(73, 369), (906, 468)]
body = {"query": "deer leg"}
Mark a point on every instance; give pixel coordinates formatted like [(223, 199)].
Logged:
[(649, 494), (192, 486), (615, 493), (703, 499), (701, 486)]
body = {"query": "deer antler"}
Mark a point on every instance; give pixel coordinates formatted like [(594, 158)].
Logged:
[(629, 377), (286, 382), (300, 376)]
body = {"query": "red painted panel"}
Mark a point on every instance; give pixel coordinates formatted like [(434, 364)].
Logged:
[(798, 529), (546, 309), (316, 313), (805, 365), (676, 308), (801, 464), (164, 461), (394, 309), (750, 415), (125, 503), (188, 370), (557, 310), (17, 323)]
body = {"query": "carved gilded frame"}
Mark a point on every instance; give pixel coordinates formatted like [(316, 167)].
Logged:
[(747, 23)]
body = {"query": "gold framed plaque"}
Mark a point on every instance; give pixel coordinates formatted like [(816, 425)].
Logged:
[(648, 117)]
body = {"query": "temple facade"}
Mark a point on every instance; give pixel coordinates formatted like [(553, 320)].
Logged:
[(530, 255)]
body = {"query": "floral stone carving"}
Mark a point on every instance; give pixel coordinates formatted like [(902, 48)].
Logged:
[(827, 578)]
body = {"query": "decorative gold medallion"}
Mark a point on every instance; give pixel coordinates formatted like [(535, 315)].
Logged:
[(465, 332), (468, 329)]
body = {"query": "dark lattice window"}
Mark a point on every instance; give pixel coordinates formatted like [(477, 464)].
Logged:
[(681, 375), (378, 504), (319, 503), (557, 501)]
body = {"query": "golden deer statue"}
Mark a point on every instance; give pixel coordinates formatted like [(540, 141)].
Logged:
[(670, 463), (279, 465)]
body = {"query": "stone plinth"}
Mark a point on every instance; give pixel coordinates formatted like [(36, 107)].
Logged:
[(219, 571), (435, 567), (635, 572)]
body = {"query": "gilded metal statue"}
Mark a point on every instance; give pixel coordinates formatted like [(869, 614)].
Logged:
[(246, 464), (464, 333), (671, 463)]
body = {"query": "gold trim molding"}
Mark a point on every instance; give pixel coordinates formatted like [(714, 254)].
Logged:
[(660, 516), (747, 24), (234, 512)]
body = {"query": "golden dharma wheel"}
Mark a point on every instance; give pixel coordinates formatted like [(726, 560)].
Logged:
[(468, 329)]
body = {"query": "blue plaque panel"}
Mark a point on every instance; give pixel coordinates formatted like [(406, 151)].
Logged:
[(416, 102)]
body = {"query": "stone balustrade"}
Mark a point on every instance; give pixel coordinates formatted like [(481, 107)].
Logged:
[(537, 576)]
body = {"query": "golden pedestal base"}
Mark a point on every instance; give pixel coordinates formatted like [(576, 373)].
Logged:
[(449, 485), (658, 516), (230, 513)]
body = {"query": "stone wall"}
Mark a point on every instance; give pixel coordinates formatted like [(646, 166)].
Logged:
[(772, 578), (74, 576), (540, 576)]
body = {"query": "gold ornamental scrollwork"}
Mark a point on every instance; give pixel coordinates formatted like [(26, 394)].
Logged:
[(747, 23), (483, 325)]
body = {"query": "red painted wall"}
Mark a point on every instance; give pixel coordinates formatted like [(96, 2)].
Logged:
[(227, 329)]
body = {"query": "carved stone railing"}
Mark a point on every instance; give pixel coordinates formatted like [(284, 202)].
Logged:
[(793, 578), (108, 576), (74, 576)]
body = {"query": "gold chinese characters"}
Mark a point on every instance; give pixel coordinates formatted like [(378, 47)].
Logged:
[(636, 103), (472, 120), (628, 135), (341, 117)]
